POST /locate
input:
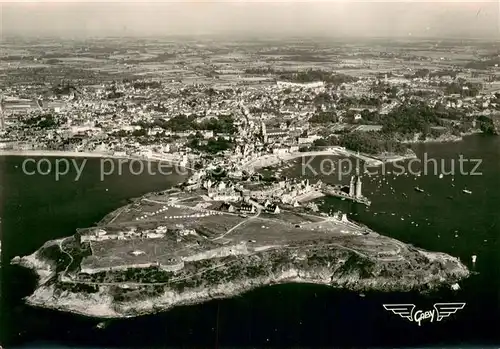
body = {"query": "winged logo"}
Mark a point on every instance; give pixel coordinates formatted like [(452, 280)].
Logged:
[(446, 309), (403, 310), (440, 311)]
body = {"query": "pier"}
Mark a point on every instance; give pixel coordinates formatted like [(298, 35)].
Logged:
[(354, 188)]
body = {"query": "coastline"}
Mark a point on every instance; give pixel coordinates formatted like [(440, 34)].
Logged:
[(274, 159), (95, 155), (371, 160), (387, 158), (447, 138), (61, 153), (102, 305), (435, 270)]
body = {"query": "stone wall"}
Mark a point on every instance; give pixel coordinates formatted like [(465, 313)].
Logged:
[(219, 253)]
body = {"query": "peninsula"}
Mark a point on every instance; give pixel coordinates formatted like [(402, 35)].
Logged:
[(180, 247), (224, 115)]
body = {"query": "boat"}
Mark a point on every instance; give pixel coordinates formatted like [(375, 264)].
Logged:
[(419, 190), (467, 191), (441, 176), (102, 325)]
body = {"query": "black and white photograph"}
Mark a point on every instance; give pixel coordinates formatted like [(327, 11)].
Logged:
[(249, 174)]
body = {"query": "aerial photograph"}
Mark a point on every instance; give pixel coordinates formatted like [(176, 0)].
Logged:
[(249, 174)]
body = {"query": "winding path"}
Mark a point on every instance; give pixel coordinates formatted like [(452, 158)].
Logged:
[(257, 214)]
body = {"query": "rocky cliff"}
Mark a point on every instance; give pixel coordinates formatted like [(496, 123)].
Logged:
[(329, 265)]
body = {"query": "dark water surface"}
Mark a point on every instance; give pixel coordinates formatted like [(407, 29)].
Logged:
[(38, 208)]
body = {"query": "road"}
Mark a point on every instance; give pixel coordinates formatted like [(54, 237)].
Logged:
[(68, 254), (257, 214), (116, 215), (154, 219)]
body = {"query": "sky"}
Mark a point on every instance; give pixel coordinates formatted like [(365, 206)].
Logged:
[(336, 18)]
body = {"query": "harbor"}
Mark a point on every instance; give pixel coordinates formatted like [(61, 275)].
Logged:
[(436, 219), (336, 191)]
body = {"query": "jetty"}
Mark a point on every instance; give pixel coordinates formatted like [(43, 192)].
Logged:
[(338, 191)]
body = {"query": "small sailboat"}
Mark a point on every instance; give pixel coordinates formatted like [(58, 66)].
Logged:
[(467, 191), (419, 189), (102, 325), (441, 176)]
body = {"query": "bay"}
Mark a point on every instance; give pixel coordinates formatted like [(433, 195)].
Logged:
[(38, 208)]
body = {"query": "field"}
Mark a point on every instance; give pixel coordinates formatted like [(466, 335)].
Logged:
[(213, 231), (119, 253)]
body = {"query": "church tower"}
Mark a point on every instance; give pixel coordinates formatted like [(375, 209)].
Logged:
[(358, 182), (352, 187), (358, 187), (263, 131)]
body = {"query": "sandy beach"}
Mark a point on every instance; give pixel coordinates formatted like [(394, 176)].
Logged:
[(59, 153), (77, 154), (274, 159), (391, 158)]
